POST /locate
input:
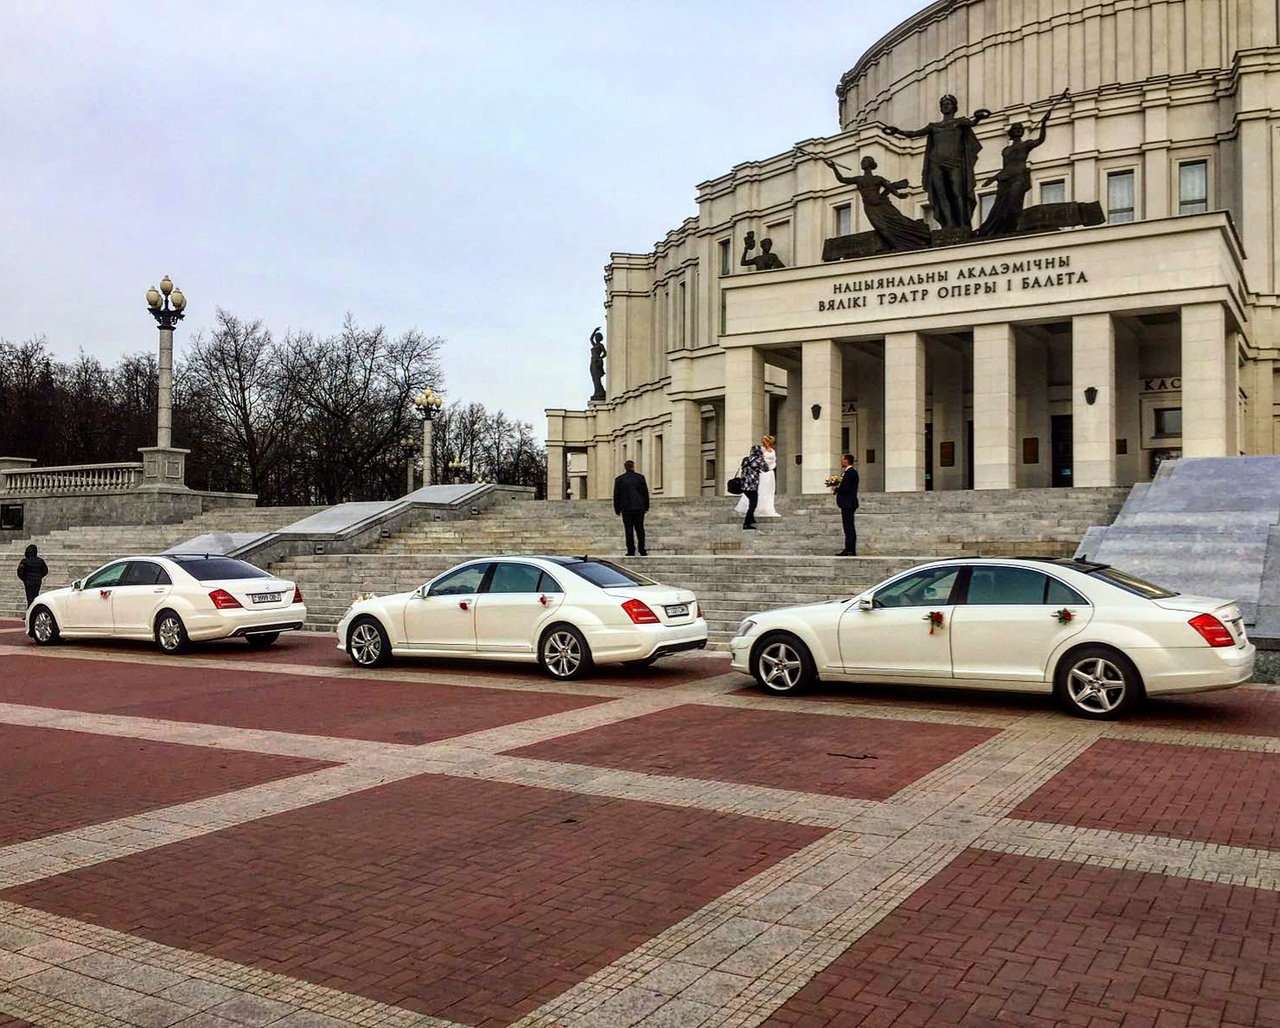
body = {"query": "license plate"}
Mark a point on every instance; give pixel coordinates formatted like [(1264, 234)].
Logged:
[(677, 610), (265, 597)]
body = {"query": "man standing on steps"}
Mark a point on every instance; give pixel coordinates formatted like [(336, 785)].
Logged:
[(847, 501), (631, 500)]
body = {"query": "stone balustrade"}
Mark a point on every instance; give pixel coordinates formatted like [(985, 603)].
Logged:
[(71, 479)]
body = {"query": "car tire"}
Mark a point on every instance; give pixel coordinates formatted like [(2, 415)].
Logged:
[(171, 633), (262, 638), (564, 653), (646, 662), (44, 627), (782, 664), (1098, 683), (367, 643)]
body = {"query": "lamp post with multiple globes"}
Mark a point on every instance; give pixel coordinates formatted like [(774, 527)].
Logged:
[(428, 404), (163, 463)]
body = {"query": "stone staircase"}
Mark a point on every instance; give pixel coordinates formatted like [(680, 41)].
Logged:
[(73, 552), (699, 544)]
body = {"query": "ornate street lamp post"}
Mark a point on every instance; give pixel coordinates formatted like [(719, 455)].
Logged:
[(428, 404), (410, 447), (163, 463)]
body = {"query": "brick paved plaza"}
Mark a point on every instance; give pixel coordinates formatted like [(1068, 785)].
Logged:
[(241, 838)]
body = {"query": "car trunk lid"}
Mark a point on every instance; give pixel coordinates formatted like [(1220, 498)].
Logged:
[(255, 593), (1228, 612), (671, 606)]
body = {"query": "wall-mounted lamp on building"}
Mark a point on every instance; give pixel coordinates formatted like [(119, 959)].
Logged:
[(816, 411), (1091, 395)]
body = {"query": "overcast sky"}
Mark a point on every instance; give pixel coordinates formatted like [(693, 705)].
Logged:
[(464, 168)]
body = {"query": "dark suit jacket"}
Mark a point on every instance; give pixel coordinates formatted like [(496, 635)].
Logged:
[(847, 490), (630, 492)]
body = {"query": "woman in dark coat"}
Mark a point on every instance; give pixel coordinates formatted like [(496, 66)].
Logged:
[(32, 569)]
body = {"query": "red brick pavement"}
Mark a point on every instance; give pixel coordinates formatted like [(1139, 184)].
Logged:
[(376, 710), (57, 780), (1244, 711), (866, 758), (469, 900), (1185, 792), (908, 698), (997, 939), (13, 1022)]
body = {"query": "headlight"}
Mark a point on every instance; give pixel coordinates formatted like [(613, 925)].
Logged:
[(744, 628)]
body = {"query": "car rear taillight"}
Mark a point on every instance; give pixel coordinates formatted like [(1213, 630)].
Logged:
[(297, 594), (1215, 633), (699, 614), (639, 612), (223, 600)]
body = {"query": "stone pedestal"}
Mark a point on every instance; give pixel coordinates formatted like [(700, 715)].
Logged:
[(163, 467)]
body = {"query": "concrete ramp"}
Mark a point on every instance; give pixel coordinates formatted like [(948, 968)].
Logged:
[(1205, 525)]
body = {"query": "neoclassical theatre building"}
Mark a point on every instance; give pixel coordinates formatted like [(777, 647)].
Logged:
[(1131, 316)]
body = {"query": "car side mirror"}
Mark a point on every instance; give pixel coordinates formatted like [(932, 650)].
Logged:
[(420, 593), (78, 584), (866, 603)]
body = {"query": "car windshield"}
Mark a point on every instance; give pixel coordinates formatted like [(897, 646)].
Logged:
[(1130, 584), (605, 574), (216, 569)]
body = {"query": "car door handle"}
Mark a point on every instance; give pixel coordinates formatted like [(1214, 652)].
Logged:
[(158, 590)]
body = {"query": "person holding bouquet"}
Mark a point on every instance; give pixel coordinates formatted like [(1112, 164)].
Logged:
[(846, 490)]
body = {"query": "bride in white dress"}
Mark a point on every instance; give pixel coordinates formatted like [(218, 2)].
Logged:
[(768, 483)]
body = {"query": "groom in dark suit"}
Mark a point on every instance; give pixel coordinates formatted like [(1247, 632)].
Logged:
[(631, 500), (847, 501)]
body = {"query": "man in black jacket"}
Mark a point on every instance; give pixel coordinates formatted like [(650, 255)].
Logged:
[(847, 501), (32, 569), (631, 500)]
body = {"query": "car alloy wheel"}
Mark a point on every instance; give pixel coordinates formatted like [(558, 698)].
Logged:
[(564, 653), (1099, 683), (782, 665), (171, 634), (43, 627), (368, 644)]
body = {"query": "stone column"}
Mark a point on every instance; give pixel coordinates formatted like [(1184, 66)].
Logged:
[(557, 478), (822, 385), (948, 417), (904, 370), (745, 405), (1032, 373), (1261, 417), (427, 429), (995, 410), (1205, 430), (1093, 425), (682, 444), (164, 402)]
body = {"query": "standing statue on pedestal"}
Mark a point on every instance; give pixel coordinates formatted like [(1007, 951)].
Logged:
[(767, 261), (598, 354), (895, 230), (950, 156), (1013, 180)]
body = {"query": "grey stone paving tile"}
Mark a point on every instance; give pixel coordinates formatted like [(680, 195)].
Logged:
[(56, 951), (152, 1012), (80, 989), (624, 1009), (199, 995), (724, 941), (123, 971), (251, 1010), (764, 951), (715, 988), (207, 1020), (678, 1013), (14, 938), (307, 1019), (672, 977), (14, 966)]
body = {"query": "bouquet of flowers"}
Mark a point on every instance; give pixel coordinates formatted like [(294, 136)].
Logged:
[(360, 597), (832, 481), (936, 620), (1064, 616)]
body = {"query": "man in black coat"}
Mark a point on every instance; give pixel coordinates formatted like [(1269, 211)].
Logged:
[(847, 501), (631, 500), (32, 569)]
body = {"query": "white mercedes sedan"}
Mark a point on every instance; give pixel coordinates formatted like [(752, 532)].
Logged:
[(175, 600), (1097, 638), (565, 613)]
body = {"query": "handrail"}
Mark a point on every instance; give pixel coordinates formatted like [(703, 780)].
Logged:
[(124, 476)]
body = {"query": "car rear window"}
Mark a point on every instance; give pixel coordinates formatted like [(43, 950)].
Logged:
[(1130, 584), (606, 575), (216, 569)]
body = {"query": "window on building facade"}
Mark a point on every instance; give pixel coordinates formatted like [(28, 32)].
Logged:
[(723, 311), (1120, 197), (725, 247), (1193, 187), (1053, 192), (657, 462), (1168, 423), (844, 220), (682, 316), (640, 455)]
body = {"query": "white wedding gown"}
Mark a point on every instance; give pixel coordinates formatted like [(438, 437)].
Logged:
[(768, 485)]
